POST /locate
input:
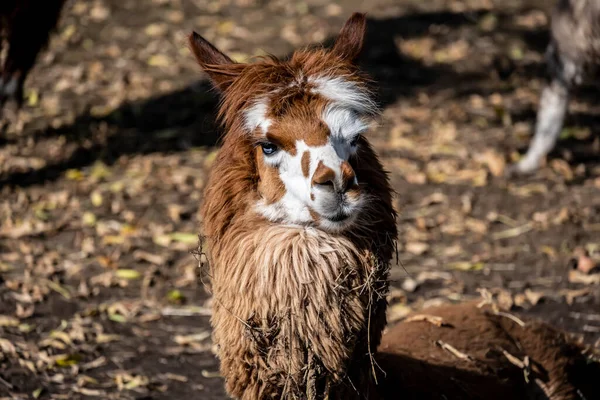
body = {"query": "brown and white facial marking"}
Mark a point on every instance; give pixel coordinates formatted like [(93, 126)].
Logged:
[(310, 145), (304, 118)]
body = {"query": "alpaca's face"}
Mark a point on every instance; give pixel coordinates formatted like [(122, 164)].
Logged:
[(305, 118), (306, 136)]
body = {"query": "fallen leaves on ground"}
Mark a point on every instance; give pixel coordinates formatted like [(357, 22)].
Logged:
[(102, 179)]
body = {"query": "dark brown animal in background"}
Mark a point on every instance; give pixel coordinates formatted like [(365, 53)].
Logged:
[(572, 56), (465, 352), (25, 27)]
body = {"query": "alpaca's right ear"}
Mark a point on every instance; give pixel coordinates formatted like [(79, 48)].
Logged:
[(349, 42), (213, 61)]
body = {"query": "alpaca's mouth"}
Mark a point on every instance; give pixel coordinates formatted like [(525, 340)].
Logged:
[(339, 217)]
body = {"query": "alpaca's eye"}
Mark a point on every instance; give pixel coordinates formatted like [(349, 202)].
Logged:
[(354, 141), (268, 148)]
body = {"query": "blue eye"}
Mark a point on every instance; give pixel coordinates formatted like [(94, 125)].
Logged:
[(268, 148)]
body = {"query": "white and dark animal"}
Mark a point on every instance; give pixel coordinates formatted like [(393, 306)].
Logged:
[(572, 56), (299, 232)]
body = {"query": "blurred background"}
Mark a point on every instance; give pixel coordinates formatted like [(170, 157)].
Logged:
[(102, 172)]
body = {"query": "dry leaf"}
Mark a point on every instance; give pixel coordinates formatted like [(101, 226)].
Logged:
[(149, 257), (585, 264), (466, 266), (127, 274), (494, 161), (505, 300), (188, 339), (578, 277), (99, 12), (416, 248), (571, 295), (533, 297), (159, 60), (397, 312), (155, 30), (6, 320), (410, 285)]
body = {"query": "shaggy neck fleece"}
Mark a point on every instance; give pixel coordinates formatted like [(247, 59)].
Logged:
[(298, 312)]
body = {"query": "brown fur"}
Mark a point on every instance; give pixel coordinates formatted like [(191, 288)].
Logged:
[(270, 186), (421, 369), (347, 175), (302, 312), (313, 131), (250, 81), (305, 163), (298, 312)]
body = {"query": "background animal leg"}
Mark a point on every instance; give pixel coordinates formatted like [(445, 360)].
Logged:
[(550, 119), (28, 35)]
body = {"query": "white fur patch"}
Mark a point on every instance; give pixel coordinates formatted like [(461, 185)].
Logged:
[(345, 93), (293, 206), (343, 123), (289, 210), (256, 116), (300, 195)]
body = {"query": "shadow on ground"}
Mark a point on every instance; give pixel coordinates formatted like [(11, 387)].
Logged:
[(186, 118)]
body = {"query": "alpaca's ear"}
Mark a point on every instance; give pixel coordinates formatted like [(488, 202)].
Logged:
[(349, 42), (212, 61)]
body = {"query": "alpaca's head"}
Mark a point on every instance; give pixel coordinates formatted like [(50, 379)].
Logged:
[(303, 120)]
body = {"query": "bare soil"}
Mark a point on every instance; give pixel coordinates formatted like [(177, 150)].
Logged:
[(101, 177)]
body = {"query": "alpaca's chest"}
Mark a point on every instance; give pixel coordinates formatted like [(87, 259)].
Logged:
[(296, 310)]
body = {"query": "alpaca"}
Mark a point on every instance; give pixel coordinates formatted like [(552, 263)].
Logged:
[(299, 232), (25, 25), (572, 57), (298, 223)]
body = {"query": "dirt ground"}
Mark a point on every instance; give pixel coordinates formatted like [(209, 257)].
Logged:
[(101, 178)]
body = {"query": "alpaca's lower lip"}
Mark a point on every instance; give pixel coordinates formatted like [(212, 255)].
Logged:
[(339, 217)]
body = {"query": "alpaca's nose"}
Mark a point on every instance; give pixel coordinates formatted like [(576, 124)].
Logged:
[(325, 177)]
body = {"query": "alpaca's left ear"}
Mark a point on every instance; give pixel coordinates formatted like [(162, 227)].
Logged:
[(221, 69), (349, 42)]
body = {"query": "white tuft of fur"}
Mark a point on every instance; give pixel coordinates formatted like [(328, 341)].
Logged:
[(344, 123), (345, 93), (256, 116)]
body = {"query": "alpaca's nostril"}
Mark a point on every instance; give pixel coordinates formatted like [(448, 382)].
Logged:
[(324, 176), (348, 184), (348, 177), (326, 184)]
